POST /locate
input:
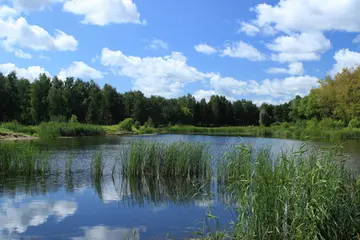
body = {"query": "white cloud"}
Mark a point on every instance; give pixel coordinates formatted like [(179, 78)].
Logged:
[(205, 48), (164, 76), (200, 94), (299, 47), (80, 70), (310, 15), (228, 86), (103, 12), (259, 102), (345, 59), (295, 68), (249, 29), (288, 87), (102, 232), (276, 88), (157, 44), (6, 11), (242, 50), (33, 5), (20, 33), (19, 218), (356, 39), (21, 54), (30, 73)]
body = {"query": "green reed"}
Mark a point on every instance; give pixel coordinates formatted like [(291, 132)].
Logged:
[(97, 166), (138, 191), (18, 158), (57, 129), (306, 194), (185, 160)]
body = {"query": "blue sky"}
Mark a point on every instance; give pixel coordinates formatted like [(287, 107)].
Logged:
[(265, 51)]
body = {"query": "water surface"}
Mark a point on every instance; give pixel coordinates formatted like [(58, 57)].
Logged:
[(73, 206)]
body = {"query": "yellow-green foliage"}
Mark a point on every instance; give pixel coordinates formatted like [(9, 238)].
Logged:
[(127, 124)]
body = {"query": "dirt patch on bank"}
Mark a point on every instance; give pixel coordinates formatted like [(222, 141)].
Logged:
[(15, 137)]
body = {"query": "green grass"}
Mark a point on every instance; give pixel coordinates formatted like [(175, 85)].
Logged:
[(18, 158), (166, 160), (277, 131), (54, 129), (297, 195), (17, 128)]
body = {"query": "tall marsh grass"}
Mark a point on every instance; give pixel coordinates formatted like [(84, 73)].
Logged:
[(18, 158), (185, 160), (18, 128), (56, 129), (300, 195)]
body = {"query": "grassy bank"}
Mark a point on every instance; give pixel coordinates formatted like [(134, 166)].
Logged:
[(55, 129), (277, 131)]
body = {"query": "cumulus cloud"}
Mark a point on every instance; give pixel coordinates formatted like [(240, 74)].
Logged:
[(205, 48), (295, 68), (20, 218), (299, 47), (30, 73), (158, 44), (309, 15), (345, 59), (164, 76), (279, 88), (80, 70), (103, 12), (242, 50), (19, 33), (287, 87), (6, 12), (206, 94)]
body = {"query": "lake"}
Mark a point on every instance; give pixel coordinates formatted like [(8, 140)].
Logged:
[(72, 206)]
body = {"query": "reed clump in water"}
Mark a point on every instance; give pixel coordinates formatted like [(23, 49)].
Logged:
[(185, 160), (299, 195), (21, 159)]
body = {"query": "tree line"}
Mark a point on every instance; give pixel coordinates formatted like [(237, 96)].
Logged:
[(49, 99)]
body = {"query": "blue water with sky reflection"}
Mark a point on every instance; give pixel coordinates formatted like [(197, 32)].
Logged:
[(72, 207)]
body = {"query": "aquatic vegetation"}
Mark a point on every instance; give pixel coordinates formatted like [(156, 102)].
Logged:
[(185, 160), (97, 166), (304, 194), (137, 191), (56, 129), (20, 158)]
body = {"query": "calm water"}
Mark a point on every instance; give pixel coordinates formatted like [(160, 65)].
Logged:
[(71, 206)]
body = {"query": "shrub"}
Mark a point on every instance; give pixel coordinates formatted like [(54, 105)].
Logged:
[(73, 119), (354, 123), (127, 124)]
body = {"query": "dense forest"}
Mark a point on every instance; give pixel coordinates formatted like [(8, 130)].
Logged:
[(47, 99)]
